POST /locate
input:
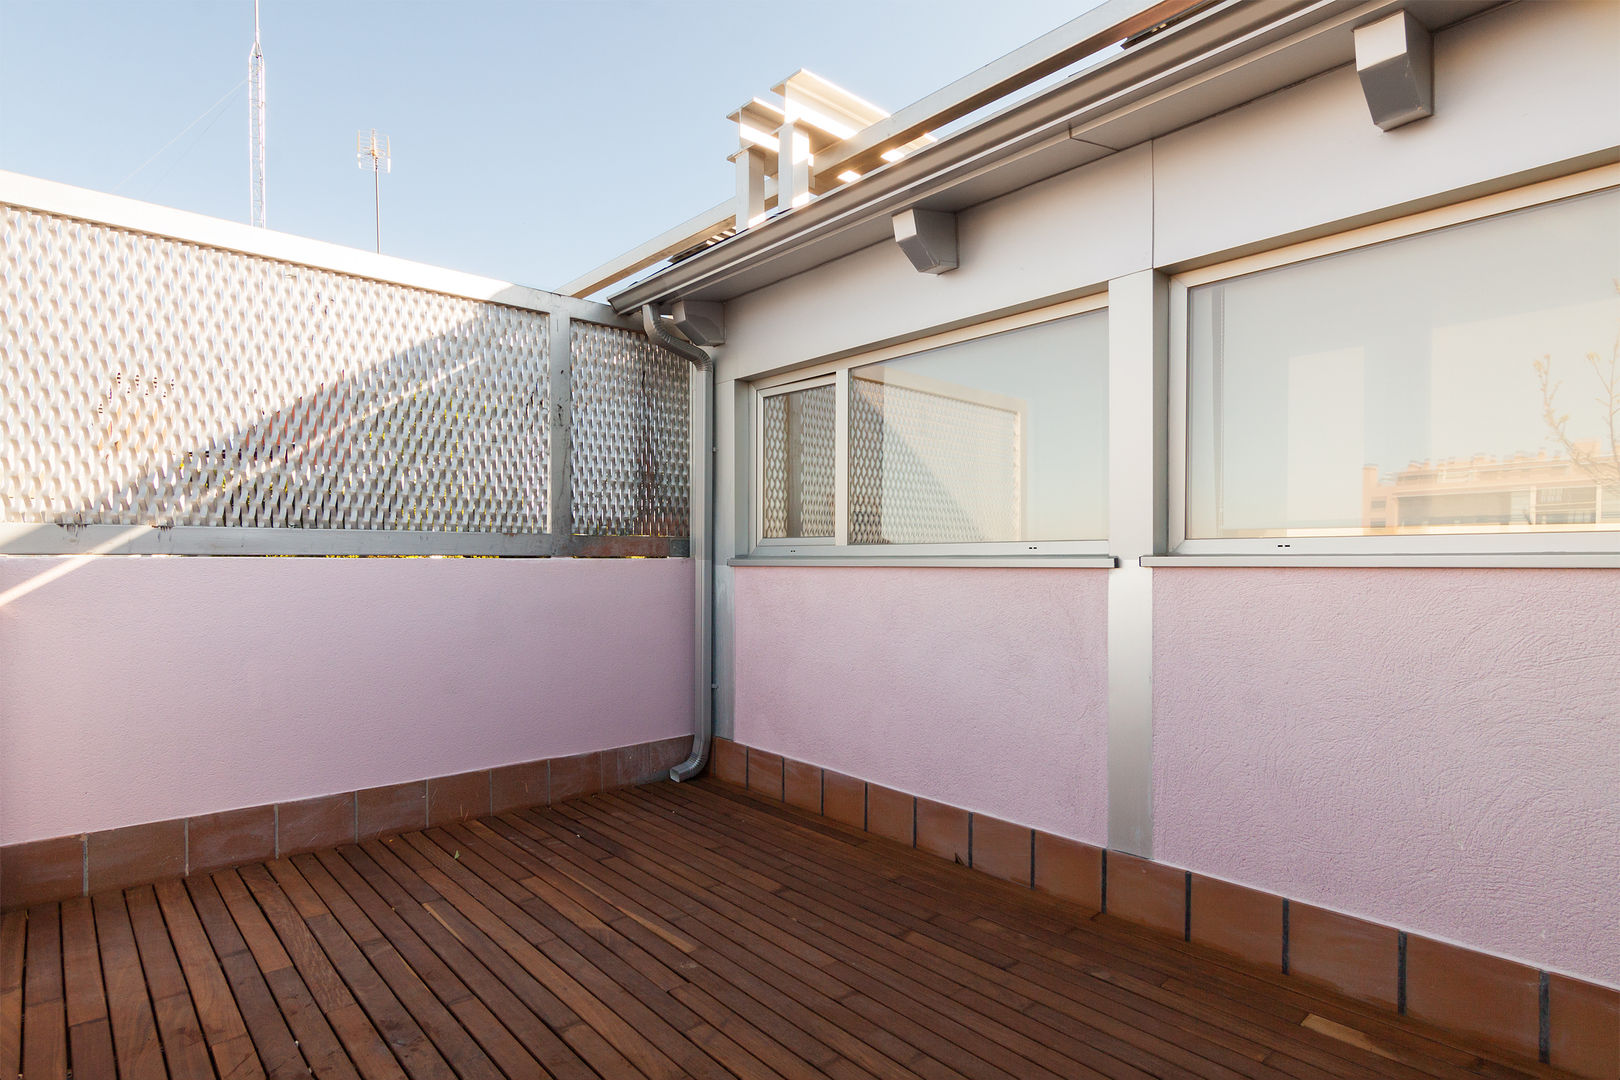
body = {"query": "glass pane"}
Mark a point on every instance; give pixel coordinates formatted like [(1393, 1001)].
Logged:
[(1460, 381), (1004, 438), (799, 463)]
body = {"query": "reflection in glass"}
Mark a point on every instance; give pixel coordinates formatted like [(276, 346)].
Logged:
[(799, 463), (1003, 438), (1458, 381)]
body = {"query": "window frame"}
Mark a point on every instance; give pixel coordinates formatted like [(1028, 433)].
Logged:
[(837, 371), (1179, 545), (757, 503)]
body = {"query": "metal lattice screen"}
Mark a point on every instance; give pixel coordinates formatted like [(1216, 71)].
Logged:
[(800, 463), (150, 381), (927, 466), (630, 455)]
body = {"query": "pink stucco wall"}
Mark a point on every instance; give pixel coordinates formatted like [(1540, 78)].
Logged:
[(982, 688), (1434, 749), (138, 689)]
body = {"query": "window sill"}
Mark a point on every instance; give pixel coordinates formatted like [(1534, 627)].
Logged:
[(1551, 560), (1100, 562)]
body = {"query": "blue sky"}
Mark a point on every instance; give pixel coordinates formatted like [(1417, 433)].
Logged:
[(531, 140)]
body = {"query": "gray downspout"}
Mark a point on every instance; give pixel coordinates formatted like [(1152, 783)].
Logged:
[(702, 540)]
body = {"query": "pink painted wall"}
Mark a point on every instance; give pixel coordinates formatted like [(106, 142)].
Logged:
[(986, 689), (138, 689), (1434, 749)]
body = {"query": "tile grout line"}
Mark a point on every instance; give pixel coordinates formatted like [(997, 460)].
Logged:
[(1400, 972), (1544, 1018), (1285, 936)]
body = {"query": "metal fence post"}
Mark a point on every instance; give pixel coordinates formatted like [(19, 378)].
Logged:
[(560, 505)]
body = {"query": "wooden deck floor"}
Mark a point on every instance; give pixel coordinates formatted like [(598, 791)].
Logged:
[(662, 932)]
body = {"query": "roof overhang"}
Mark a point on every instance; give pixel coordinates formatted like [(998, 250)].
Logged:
[(1217, 58)]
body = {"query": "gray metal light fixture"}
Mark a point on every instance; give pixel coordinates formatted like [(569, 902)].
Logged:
[(928, 237), (1395, 62), (702, 322)]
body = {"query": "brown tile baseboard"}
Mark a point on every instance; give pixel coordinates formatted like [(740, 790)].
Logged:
[(45, 871), (1541, 1016)]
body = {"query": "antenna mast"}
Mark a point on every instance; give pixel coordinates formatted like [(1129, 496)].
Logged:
[(374, 152), (256, 126)]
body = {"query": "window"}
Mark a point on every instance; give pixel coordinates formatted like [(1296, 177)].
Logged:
[(799, 462), (996, 438), (1458, 381)]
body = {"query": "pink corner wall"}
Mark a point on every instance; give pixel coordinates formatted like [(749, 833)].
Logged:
[(982, 688), (1434, 749), (139, 689)]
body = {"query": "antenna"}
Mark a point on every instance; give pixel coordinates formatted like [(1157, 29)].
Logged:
[(373, 152), (256, 126)]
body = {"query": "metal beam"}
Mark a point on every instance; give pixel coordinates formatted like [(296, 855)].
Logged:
[(1102, 26)]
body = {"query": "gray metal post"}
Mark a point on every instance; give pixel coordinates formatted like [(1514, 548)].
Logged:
[(560, 508), (1138, 336)]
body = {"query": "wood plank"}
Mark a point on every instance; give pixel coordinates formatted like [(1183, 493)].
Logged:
[(89, 1030), (647, 1055), (775, 979), (336, 959), (184, 1047), (981, 986), (705, 984), (658, 932), (13, 941), (1019, 913), (44, 1027), (969, 1042), (422, 1002), (135, 1036), (1124, 1021), (273, 1041), (316, 1039), (974, 998), (511, 1035), (366, 1047), (646, 980), (1251, 1050), (222, 1025), (535, 995)]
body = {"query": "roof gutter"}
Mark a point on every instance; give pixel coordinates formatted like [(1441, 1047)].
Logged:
[(1208, 44)]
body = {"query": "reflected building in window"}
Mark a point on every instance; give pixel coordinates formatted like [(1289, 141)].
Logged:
[(1521, 492)]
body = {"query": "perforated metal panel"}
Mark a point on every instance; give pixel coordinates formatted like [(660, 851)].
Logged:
[(630, 455), (800, 463), (153, 381), (932, 467)]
